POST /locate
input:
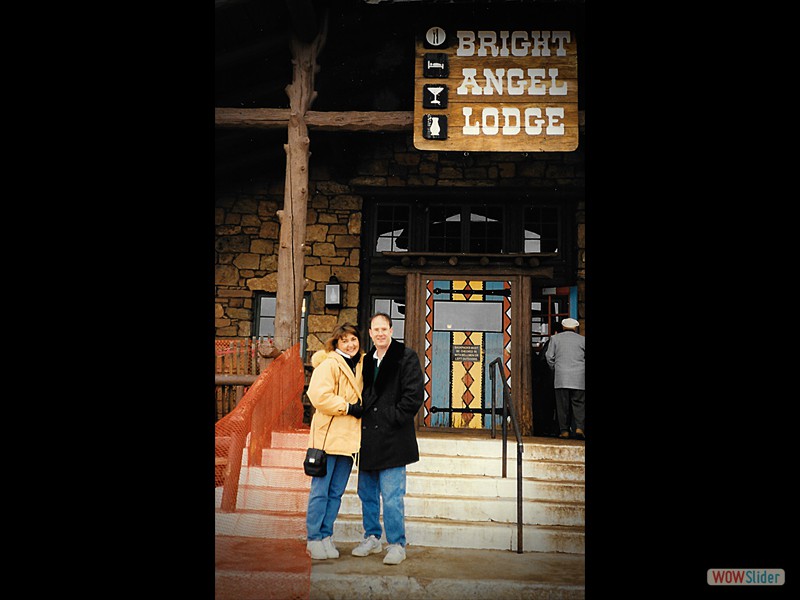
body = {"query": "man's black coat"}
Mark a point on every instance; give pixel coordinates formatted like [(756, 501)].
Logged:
[(388, 434)]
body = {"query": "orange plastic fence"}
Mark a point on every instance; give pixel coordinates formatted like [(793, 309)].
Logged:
[(261, 490), (237, 356)]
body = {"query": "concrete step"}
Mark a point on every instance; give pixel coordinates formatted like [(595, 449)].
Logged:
[(532, 448), (499, 509), (422, 531), (550, 470), (468, 445), (456, 495), (293, 478), (261, 524), (260, 569), (481, 510), (470, 486), (419, 532), (251, 568), (436, 573)]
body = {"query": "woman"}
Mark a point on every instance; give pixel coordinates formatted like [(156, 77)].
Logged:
[(335, 392)]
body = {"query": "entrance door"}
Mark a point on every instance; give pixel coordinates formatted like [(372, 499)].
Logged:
[(467, 327)]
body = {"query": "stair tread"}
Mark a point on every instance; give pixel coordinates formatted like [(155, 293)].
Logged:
[(461, 523), (256, 511), (490, 498), (493, 477), (509, 458)]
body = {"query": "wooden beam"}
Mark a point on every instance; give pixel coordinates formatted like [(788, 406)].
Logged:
[(278, 118)]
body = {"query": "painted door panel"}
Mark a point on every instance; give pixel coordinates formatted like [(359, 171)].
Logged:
[(467, 326)]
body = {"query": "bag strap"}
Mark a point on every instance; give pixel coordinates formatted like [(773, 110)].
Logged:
[(326, 433)]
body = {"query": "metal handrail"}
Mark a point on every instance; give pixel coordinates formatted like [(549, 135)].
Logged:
[(508, 410)]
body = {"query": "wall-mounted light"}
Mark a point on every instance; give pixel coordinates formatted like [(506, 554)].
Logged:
[(333, 293)]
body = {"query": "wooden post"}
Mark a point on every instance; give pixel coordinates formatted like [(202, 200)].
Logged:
[(291, 276)]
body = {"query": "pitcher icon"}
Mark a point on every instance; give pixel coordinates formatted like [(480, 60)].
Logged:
[(434, 128)]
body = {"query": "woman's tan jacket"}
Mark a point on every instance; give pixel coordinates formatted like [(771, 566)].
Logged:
[(332, 387)]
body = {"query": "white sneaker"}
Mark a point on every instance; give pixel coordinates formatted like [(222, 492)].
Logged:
[(371, 545), (330, 549), (316, 549), (395, 554)]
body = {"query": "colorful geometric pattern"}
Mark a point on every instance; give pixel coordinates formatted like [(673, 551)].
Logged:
[(453, 383)]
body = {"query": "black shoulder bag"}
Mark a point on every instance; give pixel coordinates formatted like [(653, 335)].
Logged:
[(316, 461)]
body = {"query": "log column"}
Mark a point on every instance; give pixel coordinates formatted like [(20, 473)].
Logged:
[(291, 276)]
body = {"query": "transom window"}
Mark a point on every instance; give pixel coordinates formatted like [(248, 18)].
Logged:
[(495, 226), (541, 229), (392, 228), (476, 229)]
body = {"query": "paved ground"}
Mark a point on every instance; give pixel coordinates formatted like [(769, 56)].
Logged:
[(253, 568)]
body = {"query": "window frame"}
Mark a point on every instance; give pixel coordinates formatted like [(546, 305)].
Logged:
[(255, 329), (512, 214)]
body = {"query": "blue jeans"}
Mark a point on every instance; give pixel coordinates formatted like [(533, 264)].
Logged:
[(391, 485), (325, 497)]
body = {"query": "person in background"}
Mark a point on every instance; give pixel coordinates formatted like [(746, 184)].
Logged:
[(393, 394), (545, 422), (335, 392), (566, 356)]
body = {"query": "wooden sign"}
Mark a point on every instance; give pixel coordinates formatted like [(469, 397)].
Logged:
[(496, 90)]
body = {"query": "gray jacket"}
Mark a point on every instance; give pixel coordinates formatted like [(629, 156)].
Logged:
[(565, 354)]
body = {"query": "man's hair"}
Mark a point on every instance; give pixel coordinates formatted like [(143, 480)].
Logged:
[(380, 314)]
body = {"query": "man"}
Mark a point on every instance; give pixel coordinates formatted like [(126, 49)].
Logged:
[(392, 396), (565, 355)]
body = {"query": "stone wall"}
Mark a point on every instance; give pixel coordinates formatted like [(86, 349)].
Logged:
[(247, 227)]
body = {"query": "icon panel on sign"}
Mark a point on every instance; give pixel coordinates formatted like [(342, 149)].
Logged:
[(434, 96), (434, 127), (435, 65), (435, 37)]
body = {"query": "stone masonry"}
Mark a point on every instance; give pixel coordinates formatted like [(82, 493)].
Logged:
[(248, 230)]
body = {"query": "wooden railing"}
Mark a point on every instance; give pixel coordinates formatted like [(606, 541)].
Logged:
[(238, 362)]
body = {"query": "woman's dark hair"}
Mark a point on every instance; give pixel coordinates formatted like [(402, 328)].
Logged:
[(338, 333)]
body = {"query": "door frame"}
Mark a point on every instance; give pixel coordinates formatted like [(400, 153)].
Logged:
[(520, 333)]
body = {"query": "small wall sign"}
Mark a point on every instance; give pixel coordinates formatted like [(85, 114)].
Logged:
[(466, 353)]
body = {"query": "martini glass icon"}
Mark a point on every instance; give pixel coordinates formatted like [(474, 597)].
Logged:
[(436, 91)]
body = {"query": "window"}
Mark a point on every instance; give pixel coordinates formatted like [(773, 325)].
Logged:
[(395, 309), (392, 228), (548, 308), (483, 225), (476, 229), (264, 318), (541, 229), (486, 229), (444, 229)]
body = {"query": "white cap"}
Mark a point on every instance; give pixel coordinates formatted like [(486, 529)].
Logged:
[(570, 323)]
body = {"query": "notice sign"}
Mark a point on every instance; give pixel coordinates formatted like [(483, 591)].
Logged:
[(465, 353), (496, 90)]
